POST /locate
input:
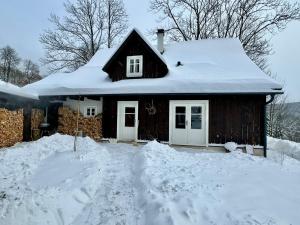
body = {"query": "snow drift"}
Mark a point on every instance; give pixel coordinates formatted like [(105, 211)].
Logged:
[(45, 182), (290, 148), (214, 188)]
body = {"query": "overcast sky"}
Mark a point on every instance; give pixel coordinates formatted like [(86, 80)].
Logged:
[(22, 22)]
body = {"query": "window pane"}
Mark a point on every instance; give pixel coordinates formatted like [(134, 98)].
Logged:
[(196, 109), (196, 121), (180, 121), (137, 68), (88, 111), (93, 112), (129, 120), (131, 68), (131, 61), (129, 109), (180, 109), (137, 61), (180, 118)]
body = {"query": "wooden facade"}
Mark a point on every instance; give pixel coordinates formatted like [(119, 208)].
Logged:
[(153, 66), (238, 118)]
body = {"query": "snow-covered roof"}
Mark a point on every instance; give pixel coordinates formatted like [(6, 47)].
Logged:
[(209, 66), (11, 89)]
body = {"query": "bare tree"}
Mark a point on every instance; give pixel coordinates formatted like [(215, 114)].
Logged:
[(82, 32), (252, 21), (9, 60), (31, 72), (116, 20), (280, 123)]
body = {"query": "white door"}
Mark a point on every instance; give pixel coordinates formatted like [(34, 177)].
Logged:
[(189, 122), (127, 127)]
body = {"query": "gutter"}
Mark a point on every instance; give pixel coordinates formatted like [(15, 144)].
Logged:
[(265, 123)]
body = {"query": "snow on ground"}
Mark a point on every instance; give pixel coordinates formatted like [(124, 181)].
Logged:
[(214, 188), (289, 148), (44, 182)]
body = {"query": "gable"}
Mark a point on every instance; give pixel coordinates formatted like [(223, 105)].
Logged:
[(135, 45)]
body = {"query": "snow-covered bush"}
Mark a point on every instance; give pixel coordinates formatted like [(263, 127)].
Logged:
[(231, 146)]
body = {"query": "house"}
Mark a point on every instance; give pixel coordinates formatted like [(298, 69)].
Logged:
[(198, 93), (15, 114)]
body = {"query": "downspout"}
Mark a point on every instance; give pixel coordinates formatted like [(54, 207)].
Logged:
[(265, 123)]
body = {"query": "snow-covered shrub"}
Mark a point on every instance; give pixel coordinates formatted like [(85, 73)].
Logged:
[(230, 146)]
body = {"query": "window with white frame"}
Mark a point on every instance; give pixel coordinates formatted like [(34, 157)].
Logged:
[(134, 66), (90, 111)]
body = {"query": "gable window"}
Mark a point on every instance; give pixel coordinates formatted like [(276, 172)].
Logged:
[(134, 66), (90, 111)]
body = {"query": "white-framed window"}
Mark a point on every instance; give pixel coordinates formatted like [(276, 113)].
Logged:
[(134, 66), (90, 111)]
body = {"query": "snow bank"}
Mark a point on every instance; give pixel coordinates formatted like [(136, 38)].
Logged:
[(213, 188), (45, 182), (290, 148)]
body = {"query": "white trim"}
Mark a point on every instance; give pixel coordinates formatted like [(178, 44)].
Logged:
[(171, 114), (91, 107), (134, 58), (136, 118)]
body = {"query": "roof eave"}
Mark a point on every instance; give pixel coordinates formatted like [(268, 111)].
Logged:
[(170, 94)]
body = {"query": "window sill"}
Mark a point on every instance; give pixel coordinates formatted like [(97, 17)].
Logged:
[(134, 75)]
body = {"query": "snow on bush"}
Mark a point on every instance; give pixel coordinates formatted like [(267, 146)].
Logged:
[(45, 182), (214, 188), (230, 146)]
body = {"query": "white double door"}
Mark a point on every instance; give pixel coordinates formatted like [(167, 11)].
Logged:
[(127, 122), (188, 122)]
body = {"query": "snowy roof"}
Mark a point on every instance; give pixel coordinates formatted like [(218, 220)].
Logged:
[(209, 66), (11, 89)]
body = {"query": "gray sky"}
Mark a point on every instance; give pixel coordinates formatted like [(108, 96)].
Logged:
[(22, 22)]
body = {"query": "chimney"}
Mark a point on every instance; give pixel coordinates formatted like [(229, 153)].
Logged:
[(160, 40)]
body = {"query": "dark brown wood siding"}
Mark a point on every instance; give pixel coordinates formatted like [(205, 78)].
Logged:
[(236, 118), (153, 67), (231, 118)]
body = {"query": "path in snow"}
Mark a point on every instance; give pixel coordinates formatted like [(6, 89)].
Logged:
[(116, 200)]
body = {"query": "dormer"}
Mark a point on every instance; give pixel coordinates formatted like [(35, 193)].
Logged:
[(136, 59)]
